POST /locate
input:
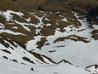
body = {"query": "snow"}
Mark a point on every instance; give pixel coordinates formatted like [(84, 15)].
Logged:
[(2, 26), (40, 24), (28, 19), (64, 19), (47, 19), (60, 69), (38, 31), (47, 61), (10, 32), (23, 25), (95, 26), (32, 44), (8, 15), (48, 24), (15, 27), (79, 53), (18, 53), (92, 69), (8, 67)]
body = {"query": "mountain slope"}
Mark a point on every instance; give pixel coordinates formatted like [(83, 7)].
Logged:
[(48, 42)]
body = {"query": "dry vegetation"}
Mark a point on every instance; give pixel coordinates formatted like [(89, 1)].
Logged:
[(58, 5), (95, 34)]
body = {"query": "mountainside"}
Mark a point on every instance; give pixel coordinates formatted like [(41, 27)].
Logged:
[(53, 5), (48, 37)]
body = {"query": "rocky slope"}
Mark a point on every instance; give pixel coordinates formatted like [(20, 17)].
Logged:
[(48, 37)]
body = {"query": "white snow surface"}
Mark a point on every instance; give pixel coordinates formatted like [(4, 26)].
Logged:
[(7, 67)]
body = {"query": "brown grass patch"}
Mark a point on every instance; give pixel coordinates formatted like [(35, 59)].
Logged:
[(95, 34)]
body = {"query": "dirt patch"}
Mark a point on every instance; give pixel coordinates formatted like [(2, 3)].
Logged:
[(49, 5), (95, 34), (6, 51), (92, 15), (41, 43), (72, 37), (28, 60)]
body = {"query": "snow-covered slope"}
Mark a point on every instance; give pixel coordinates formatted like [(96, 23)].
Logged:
[(47, 43)]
